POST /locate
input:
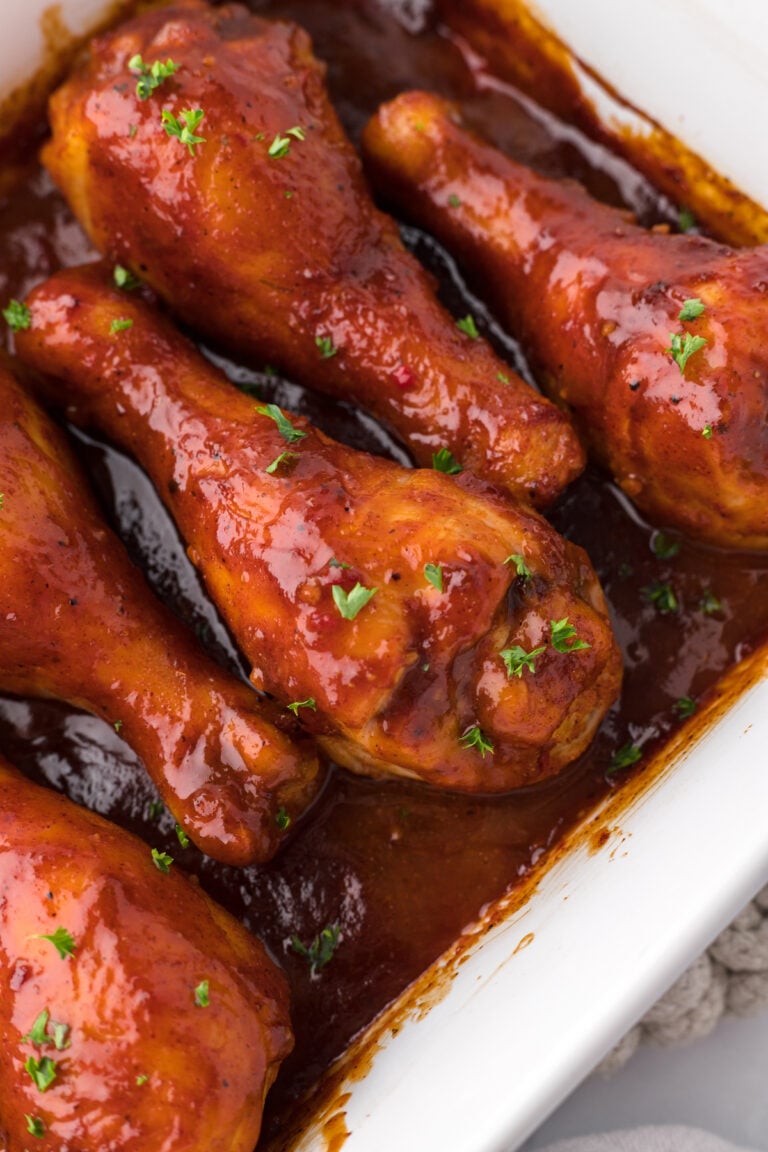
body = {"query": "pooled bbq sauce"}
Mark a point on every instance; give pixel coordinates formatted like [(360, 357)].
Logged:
[(400, 869)]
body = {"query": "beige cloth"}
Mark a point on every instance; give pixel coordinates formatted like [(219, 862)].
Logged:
[(665, 1139)]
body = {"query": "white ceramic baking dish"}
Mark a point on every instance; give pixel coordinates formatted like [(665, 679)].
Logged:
[(480, 1050)]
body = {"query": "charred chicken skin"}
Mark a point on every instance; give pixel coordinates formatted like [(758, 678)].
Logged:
[(261, 234), (136, 1015), (416, 623), (80, 624), (656, 342)]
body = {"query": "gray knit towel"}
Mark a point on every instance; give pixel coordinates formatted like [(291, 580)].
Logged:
[(666, 1139)]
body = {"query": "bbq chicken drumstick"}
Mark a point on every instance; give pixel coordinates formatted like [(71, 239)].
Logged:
[(136, 1014), (256, 227), (419, 627), (656, 342), (79, 624)]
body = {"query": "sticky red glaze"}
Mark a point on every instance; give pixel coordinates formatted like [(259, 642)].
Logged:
[(397, 686), (596, 299), (274, 255), (79, 624), (144, 941)]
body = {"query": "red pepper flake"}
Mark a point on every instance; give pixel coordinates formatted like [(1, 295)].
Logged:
[(403, 376)]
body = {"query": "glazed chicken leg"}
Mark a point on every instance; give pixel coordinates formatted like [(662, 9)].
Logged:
[(263, 236), (657, 342), (385, 604), (136, 1015), (79, 624)]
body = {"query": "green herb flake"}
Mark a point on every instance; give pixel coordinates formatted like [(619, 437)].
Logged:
[(60, 1031), (686, 221), (184, 133), (454, 201), (61, 940), (321, 949), (37, 1034), (162, 861), (709, 604), (516, 659), (117, 725), (521, 567), (474, 738), (308, 703), (663, 547), (35, 1126), (182, 837), (284, 426), (155, 809), (124, 279), (42, 1071), (281, 145), (350, 603), (502, 378), (150, 76), (707, 431), (202, 998), (334, 563), (445, 461), (278, 460), (685, 707), (564, 638), (326, 346), (433, 573), (17, 316), (468, 327), (691, 309), (142, 1079), (121, 324), (282, 819), (682, 346), (625, 757), (662, 596)]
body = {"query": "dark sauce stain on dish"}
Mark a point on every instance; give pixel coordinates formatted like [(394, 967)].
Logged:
[(400, 869)]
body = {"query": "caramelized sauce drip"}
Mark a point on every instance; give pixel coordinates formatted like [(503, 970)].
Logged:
[(398, 867)]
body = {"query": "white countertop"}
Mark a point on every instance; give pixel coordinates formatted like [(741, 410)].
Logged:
[(719, 1084)]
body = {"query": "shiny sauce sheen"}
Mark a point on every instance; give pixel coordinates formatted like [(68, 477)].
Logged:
[(401, 869)]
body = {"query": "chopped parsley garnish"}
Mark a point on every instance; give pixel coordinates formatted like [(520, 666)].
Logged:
[(468, 327), (564, 638), (121, 324), (142, 1079), (691, 309), (284, 426), (516, 659), (685, 707), (350, 603), (202, 998), (682, 346), (454, 201), (182, 837), (334, 563), (433, 573), (17, 316), (662, 596), (125, 279), (281, 145), (35, 1126), (308, 703), (37, 1034), (161, 860), (150, 76), (326, 346), (709, 604), (686, 220), (61, 940), (502, 378), (625, 757), (663, 547), (155, 809), (278, 460), (707, 431), (445, 461), (117, 725), (42, 1071), (321, 950), (185, 132), (521, 567), (474, 738), (282, 819), (60, 1041)]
